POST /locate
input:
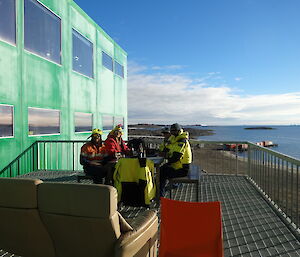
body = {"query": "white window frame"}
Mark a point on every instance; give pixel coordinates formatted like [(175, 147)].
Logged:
[(123, 69), (82, 132), (113, 119), (61, 35), (113, 63), (13, 119), (16, 35), (41, 135), (77, 72)]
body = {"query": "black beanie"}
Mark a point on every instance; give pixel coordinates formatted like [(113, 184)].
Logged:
[(176, 127)]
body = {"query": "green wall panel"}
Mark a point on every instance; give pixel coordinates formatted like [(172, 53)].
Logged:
[(28, 80), (106, 97), (9, 78)]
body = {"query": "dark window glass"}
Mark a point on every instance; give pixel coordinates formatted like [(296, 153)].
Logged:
[(107, 122), (6, 121), (119, 69), (119, 120), (83, 122), (42, 33), (107, 61), (8, 21), (43, 121), (82, 55)]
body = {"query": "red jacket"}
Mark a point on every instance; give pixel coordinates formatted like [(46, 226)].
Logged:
[(112, 147)]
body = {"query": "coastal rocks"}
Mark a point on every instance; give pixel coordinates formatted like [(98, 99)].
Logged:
[(155, 131), (259, 128)]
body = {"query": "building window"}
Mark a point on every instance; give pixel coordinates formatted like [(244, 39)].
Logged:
[(6, 120), (43, 121), (8, 21), (119, 69), (107, 61), (82, 54), (107, 122), (42, 31), (119, 120), (83, 122)]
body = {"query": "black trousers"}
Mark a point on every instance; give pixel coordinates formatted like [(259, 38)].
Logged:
[(167, 172), (109, 169), (101, 172), (98, 173)]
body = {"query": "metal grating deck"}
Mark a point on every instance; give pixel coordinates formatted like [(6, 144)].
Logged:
[(250, 226)]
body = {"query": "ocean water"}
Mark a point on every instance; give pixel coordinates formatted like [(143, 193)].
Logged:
[(287, 137)]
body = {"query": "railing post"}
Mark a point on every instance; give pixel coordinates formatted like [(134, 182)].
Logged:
[(37, 157), (18, 168), (249, 162), (73, 156), (33, 156), (292, 191), (297, 197), (236, 159), (44, 155)]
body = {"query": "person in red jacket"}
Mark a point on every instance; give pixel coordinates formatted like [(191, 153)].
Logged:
[(115, 147)]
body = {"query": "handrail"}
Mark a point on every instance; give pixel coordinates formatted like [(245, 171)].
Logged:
[(275, 153), (61, 141), (274, 174), (33, 159), (18, 157)]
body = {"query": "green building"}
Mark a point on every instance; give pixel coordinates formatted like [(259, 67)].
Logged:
[(60, 75)]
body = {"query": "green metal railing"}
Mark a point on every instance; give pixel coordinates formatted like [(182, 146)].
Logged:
[(46, 155), (274, 174), (26, 162)]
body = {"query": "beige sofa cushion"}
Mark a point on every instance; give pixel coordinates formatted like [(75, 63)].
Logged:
[(19, 193), (22, 231), (82, 219), (82, 200)]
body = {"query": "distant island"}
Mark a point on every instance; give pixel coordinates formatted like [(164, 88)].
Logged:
[(259, 128), (155, 130)]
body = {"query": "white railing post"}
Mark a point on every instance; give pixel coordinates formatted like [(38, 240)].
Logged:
[(249, 161), (236, 160)]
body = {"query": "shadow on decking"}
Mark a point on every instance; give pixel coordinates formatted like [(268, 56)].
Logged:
[(251, 227)]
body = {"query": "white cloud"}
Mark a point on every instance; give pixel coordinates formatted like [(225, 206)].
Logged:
[(168, 67), (166, 98), (238, 79)]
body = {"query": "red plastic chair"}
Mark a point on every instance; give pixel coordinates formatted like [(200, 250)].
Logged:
[(190, 229)]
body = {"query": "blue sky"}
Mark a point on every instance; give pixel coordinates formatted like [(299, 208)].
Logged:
[(207, 61)]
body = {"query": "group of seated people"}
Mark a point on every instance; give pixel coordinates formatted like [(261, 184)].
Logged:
[(98, 158)]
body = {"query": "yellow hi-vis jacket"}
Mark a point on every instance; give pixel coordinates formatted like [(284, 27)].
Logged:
[(180, 144), (129, 170), (164, 145)]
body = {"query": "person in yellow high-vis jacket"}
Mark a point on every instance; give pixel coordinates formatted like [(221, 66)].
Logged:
[(179, 157), (163, 147)]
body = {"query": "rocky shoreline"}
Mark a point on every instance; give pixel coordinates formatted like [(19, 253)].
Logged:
[(155, 130)]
